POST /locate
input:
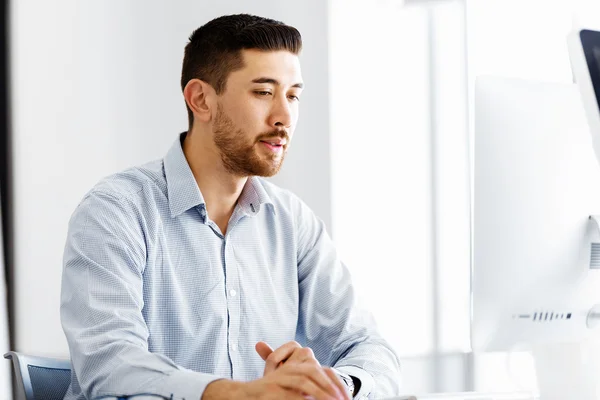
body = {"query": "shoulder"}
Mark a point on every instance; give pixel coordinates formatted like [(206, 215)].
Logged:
[(130, 183), (132, 191)]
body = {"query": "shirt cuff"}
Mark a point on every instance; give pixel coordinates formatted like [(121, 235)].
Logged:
[(365, 378), (189, 385)]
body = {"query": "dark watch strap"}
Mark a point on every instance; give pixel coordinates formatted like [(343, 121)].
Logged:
[(347, 379)]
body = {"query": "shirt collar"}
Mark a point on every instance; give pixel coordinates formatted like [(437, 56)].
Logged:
[(182, 188), (184, 193), (253, 196)]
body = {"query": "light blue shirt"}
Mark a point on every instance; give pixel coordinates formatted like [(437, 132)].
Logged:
[(155, 299)]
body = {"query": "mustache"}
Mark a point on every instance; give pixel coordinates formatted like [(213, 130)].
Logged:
[(274, 134)]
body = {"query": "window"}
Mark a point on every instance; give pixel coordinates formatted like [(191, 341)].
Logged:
[(381, 164)]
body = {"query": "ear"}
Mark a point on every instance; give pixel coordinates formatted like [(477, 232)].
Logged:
[(199, 97)]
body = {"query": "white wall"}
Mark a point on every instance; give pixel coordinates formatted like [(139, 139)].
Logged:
[(95, 90)]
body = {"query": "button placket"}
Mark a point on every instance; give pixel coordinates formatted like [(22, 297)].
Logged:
[(233, 308)]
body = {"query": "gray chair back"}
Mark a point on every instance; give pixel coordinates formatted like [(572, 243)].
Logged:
[(40, 378)]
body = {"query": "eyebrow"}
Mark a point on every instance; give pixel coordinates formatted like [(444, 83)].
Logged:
[(275, 82)]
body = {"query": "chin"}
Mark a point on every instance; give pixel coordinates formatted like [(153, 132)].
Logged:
[(267, 171)]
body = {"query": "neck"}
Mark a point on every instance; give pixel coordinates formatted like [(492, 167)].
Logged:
[(219, 187)]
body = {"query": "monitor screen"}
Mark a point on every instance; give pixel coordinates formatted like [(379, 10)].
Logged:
[(590, 44), (584, 54)]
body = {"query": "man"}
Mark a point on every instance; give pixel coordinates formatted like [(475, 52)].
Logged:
[(181, 276)]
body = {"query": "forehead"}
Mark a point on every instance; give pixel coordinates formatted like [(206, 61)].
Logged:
[(280, 65)]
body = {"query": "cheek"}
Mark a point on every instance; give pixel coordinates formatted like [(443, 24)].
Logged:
[(250, 114)]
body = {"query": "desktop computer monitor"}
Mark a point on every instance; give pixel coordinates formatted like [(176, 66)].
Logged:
[(536, 237)]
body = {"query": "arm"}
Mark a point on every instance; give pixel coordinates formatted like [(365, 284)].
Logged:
[(102, 301), (339, 332)]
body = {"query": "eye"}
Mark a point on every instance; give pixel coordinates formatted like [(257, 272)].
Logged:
[(295, 98), (262, 92)]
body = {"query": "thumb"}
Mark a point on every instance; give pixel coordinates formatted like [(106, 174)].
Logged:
[(263, 350)]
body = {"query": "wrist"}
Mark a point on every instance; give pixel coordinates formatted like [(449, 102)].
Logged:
[(223, 389)]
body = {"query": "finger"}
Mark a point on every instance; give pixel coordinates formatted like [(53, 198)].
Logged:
[(303, 354), (263, 350), (279, 355), (318, 375), (338, 382), (305, 385)]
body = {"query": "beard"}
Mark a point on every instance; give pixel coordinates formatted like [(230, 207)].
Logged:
[(242, 158)]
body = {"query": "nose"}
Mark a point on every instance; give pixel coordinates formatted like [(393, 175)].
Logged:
[(281, 113)]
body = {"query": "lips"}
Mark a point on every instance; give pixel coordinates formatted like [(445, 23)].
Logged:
[(275, 142)]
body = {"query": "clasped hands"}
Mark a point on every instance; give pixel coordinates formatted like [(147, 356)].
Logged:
[(293, 372)]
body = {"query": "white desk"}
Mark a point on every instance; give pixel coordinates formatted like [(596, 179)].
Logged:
[(471, 396)]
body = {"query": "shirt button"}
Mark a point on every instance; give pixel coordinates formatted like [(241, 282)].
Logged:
[(232, 292), (234, 347)]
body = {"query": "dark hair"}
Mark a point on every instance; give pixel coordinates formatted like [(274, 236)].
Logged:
[(214, 49)]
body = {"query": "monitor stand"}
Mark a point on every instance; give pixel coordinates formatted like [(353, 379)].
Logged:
[(568, 370)]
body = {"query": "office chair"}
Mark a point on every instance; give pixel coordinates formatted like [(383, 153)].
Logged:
[(40, 378)]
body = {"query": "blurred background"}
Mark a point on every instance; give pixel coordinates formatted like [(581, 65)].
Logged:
[(92, 87)]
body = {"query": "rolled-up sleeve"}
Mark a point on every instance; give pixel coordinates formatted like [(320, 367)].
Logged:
[(102, 302), (341, 334)]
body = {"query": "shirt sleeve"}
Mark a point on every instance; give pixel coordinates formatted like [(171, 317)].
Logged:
[(101, 306), (340, 333)]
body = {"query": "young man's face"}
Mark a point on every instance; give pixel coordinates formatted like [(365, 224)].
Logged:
[(257, 112)]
